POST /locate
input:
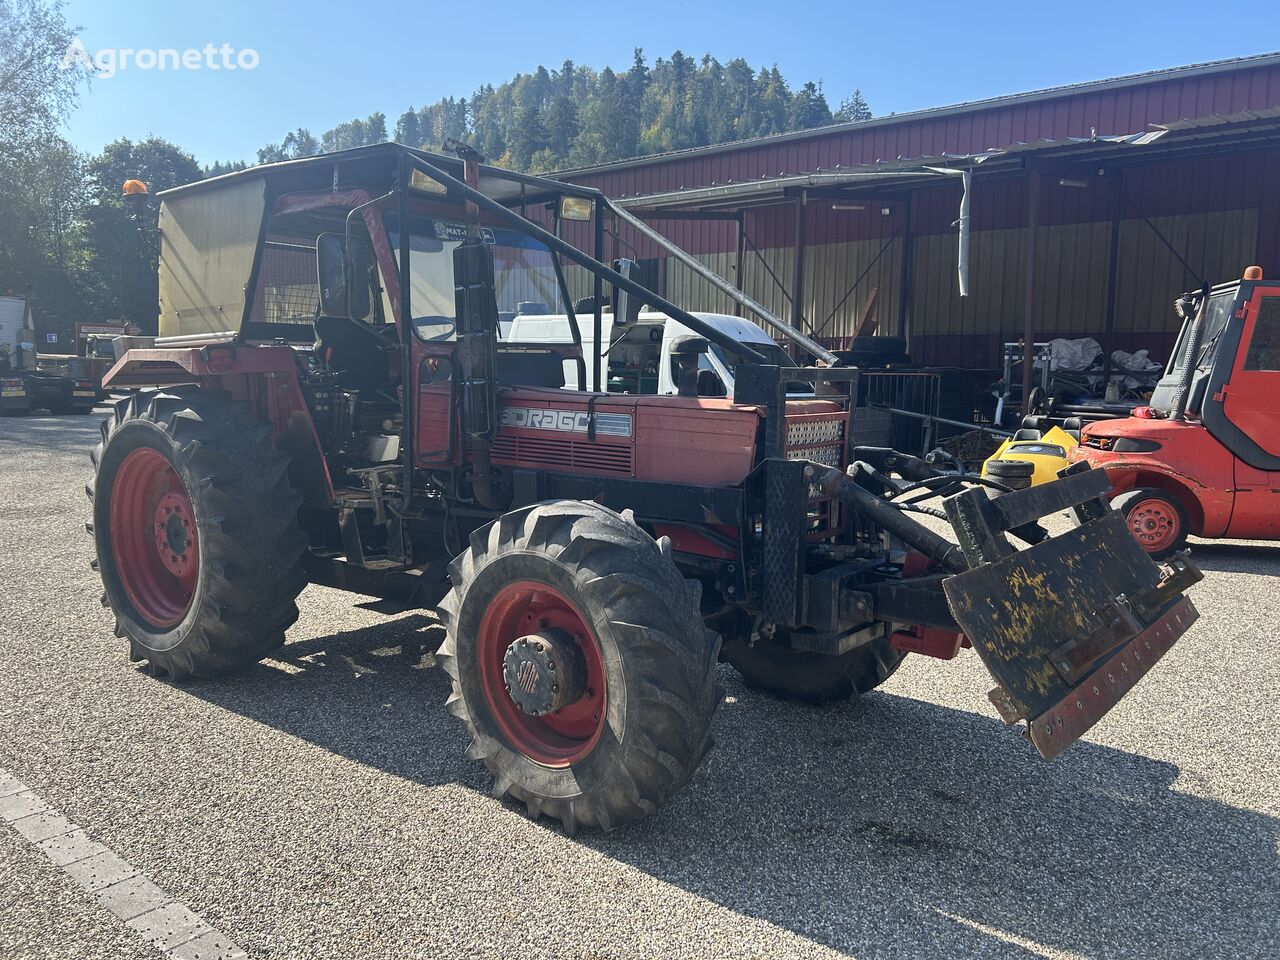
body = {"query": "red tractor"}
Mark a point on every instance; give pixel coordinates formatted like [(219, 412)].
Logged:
[(1203, 458), (331, 402)]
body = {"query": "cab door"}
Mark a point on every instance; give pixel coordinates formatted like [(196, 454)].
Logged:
[(1251, 396)]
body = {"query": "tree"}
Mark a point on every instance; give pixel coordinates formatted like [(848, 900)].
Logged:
[(808, 108), (123, 254), (409, 129), (41, 68), (219, 168), (300, 143), (853, 108)]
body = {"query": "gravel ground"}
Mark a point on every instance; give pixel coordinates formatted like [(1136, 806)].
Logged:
[(319, 805)]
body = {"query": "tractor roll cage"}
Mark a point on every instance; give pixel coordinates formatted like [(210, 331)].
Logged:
[(567, 250)]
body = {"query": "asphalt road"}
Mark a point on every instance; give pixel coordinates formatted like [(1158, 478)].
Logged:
[(319, 805)]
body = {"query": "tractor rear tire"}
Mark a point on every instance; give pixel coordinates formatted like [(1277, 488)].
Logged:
[(775, 668), (1155, 519), (196, 529), (585, 582)]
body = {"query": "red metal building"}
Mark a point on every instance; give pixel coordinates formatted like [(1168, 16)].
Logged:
[(1124, 191)]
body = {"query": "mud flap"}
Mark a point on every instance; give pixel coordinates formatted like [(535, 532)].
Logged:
[(1066, 627)]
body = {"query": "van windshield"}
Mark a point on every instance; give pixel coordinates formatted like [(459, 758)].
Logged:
[(523, 271)]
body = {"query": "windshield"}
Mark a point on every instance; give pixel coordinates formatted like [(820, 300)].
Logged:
[(1215, 321), (524, 275)]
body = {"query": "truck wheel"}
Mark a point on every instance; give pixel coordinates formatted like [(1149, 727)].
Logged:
[(1155, 518), (773, 667), (580, 663), (196, 529)]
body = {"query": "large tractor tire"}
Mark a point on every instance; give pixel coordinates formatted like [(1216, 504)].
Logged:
[(196, 528), (775, 668), (580, 663)]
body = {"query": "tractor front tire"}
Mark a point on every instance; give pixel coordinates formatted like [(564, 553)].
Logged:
[(775, 668), (196, 529), (580, 663)]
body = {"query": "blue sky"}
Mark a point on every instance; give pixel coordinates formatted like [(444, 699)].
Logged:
[(327, 62)]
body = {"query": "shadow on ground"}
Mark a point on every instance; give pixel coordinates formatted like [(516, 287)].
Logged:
[(877, 828), (1263, 558)]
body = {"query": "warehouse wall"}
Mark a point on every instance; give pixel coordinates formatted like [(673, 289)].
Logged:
[(1218, 214)]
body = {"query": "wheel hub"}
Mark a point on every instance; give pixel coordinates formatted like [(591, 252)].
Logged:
[(544, 672), (173, 525), (1152, 523)]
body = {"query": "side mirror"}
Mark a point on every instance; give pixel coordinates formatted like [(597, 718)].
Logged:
[(627, 306), (343, 275)]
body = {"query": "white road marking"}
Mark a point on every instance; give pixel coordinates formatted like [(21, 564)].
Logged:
[(146, 909)]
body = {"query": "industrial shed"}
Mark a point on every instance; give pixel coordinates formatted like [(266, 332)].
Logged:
[(1090, 208)]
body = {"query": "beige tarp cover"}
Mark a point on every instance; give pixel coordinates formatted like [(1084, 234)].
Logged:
[(207, 243)]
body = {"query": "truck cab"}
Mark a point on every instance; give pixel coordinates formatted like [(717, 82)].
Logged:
[(1203, 458)]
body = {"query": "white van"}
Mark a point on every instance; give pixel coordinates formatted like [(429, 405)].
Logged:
[(648, 356)]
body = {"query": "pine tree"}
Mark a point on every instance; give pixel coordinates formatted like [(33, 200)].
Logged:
[(808, 108), (853, 108), (576, 116), (408, 129)]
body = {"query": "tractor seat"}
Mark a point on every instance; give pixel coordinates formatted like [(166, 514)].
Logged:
[(1027, 433), (354, 351)]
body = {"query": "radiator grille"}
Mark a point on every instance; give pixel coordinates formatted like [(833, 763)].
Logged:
[(821, 439), (566, 455)]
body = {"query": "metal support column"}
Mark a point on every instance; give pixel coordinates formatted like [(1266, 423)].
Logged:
[(740, 259), (904, 288), (1028, 322), (1113, 272), (598, 329), (797, 280)]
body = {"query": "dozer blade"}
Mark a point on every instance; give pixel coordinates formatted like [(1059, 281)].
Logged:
[(1067, 626)]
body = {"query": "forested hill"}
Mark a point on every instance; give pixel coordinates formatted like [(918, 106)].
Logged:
[(575, 116)]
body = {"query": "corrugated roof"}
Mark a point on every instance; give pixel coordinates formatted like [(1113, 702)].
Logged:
[(1049, 93), (1253, 127)]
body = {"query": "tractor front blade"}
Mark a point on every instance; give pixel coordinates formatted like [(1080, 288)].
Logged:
[(1065, 627)]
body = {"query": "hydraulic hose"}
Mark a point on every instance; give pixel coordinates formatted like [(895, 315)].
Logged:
[(833, 482)]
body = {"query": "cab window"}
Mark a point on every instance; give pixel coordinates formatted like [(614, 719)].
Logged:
[(1264, 345)]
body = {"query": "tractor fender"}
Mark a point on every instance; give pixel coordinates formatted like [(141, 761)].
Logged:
[(266, 378)]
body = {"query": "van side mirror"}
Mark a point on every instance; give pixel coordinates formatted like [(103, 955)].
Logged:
[(343, 275)]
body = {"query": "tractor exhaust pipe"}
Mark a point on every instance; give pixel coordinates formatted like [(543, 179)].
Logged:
[(833, 482)]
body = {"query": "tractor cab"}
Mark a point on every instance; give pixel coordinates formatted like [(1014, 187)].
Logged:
[(1203, 458)]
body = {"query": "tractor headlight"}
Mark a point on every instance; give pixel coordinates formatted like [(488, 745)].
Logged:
[(1134, 445)]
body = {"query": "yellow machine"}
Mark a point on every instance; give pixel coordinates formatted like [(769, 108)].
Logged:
[(1046, 452)]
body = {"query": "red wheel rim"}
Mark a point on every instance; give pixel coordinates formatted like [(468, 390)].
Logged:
[(153, 537), (1155, 524), (566, 736)]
